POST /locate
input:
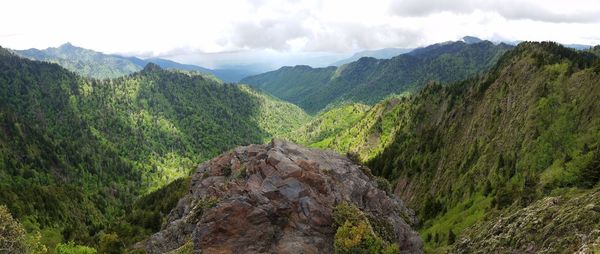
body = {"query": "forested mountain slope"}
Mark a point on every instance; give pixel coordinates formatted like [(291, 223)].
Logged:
[(89, 63), (468, 152), (369, 80), (321, 129), (75, 151)]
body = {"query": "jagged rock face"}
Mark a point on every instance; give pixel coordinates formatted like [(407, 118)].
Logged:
[(569, 223), (276, 198)]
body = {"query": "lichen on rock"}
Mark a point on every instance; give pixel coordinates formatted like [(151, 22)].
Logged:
[(568, 223), (280, 198)]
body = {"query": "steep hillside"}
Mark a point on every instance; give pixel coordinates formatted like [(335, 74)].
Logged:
[(293, 84), (568, 223), (181, 119), (464, 153), (369, 80), (75, 151), (54, 172), (355, 129), (318, 131), (89, 63)]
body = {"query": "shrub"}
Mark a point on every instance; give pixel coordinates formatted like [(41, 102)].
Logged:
[(451, 237), (110, 243), (227, 171), (504, 198), (431, 208), (589, 175), (346, 212), (355, 233), (12, 234), (200, 206), (71, 248), (384, 184)]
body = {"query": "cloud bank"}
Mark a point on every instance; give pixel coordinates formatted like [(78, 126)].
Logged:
[(159, 28)]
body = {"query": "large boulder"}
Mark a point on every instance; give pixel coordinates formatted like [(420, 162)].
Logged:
[(277, 198)]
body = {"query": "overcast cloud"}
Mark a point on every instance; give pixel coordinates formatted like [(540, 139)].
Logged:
[(545, 11), (293, 27)]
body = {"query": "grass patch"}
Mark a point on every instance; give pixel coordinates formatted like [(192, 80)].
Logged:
[(456, 220)]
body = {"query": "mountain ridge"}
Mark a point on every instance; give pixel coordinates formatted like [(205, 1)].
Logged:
[(385, 53), (90, 63), (75, 151), (369, 80), (464, 153)]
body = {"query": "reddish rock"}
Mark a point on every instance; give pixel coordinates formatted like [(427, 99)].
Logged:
[(276, 198)]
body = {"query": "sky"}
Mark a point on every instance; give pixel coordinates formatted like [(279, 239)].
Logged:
[(213, 33)]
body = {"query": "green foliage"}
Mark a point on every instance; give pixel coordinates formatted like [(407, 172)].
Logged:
[(451, 237), (74, 152), (34, 243), (355, 233), (589, 172), (355, 129), (83, 61), (319, 132), (149, 212), (369, 80), (294, 84), (110, 244), (346, 212), (187, 248), (504, 197), (431, 208), (72, 248), (201, 205), (473, 149), (89, 63), (565, 223), (12, 234), (384, 184), (456, 218)]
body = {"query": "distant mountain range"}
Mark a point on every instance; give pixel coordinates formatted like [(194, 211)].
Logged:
[(90, 63), (385, 53), (369, 80)]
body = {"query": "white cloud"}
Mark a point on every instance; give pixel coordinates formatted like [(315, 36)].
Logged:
[(555, 11), (152, 27)]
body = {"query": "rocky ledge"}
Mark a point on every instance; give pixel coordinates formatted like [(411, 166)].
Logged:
[(283, 198), (568, 223)]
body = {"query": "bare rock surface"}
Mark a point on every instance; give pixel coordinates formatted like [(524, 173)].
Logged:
[(276, 198), (568, 223)]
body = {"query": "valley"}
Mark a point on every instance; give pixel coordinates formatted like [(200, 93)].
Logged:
[(482, 147)]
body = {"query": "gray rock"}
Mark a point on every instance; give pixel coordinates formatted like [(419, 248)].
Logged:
[(278, 198)]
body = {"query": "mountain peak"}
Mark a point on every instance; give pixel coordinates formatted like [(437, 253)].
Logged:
[(4, 51), (67, 45), (151, 67), (265, 188), (471, 40), (548, 52)]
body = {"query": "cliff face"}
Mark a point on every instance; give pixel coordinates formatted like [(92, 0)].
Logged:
[(569, 223), (280, 198)]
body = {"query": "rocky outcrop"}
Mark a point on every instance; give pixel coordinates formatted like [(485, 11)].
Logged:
[(277, 198), (569, 223)]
